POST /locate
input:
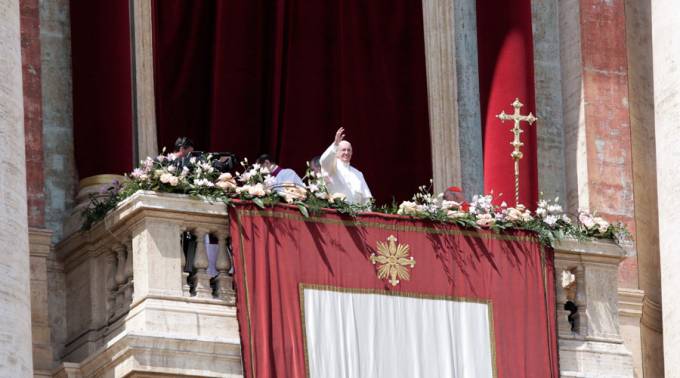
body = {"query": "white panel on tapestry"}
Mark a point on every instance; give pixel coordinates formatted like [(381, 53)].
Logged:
[(355, 334)]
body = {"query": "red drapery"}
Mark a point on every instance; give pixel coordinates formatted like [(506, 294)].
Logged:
[(506, 71), (257, 76), (102, 87), (277, 250)]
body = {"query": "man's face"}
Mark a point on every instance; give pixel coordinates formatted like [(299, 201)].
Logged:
[(184, 151), (344, 152), (315, 165), (454, 196), (266, 164)]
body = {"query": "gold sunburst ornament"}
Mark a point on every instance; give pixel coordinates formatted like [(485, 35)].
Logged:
[(393, 260)]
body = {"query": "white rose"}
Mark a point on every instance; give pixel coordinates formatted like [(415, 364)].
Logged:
[(513, 215), (485, 220), (225, 177), (226, 185), (257, 190), (541, 212), (165, 177), (449, 205), (172, 168), (174, 180), (455, 214), (550, 220), (407, 208), (602, 225), (586, 220)]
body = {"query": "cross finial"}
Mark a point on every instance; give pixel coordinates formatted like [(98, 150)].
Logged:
[(516, 117)]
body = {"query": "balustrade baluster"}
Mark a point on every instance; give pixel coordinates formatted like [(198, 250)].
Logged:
[(129, 273), (111, 286), (186, 288), (224, 281), (201, 277), (120, 277)]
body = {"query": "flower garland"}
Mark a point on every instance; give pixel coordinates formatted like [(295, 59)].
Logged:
[(199, 178)]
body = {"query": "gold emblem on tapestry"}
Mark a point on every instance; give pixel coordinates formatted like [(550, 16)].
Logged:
[(393, 261)]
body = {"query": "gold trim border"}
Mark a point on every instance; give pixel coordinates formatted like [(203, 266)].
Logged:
[(337, 289), (544, 274), (246, 295), (391, 227)]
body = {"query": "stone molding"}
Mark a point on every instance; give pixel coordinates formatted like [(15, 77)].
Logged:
[(652, 315), (631, 302)]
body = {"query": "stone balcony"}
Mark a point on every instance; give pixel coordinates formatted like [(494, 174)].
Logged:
[(132, 311)]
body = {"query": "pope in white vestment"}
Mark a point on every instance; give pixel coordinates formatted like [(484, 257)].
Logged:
[(340, 176)]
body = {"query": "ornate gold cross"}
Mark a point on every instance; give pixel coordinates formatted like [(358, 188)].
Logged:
[(392, 260), (516, 143)]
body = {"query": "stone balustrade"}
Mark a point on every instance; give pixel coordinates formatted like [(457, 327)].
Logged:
[(132, 304), (134, 309), (586, 286)]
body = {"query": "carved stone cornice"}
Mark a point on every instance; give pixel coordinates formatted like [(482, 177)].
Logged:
[(631, 302)]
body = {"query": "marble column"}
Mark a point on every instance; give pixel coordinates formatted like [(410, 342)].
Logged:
[(550, 129), (15, 302), (453, 94), (641, 101), (666, 87), (146, 143)]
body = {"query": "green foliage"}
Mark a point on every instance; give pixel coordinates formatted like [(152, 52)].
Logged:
[(199, 180)]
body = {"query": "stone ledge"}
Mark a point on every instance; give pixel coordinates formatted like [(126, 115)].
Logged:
[(604, 251), (142, 354), (595, 359)]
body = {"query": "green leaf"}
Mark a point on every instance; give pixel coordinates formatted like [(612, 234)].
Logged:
[(258, 202), (303, 210)]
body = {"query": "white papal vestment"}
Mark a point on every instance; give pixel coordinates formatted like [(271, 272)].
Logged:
[(340, 177)]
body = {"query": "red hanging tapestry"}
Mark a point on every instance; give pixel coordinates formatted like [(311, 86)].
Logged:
[(302, 281)]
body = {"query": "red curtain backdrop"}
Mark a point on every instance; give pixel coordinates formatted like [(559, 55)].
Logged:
[(277, 250), (102, 87), (254, 76), (506, 72)]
